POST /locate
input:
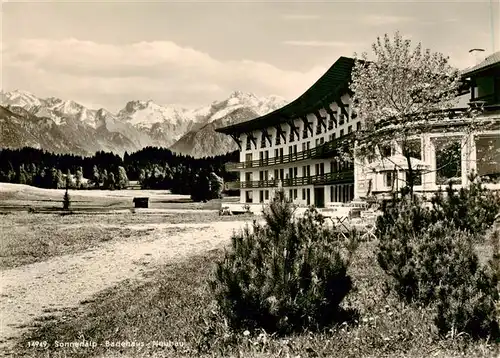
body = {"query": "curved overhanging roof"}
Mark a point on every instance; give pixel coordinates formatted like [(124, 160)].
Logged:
[(329, 88)]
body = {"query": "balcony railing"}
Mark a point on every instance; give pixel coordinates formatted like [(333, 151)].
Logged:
[(322, 151), (346, 176)]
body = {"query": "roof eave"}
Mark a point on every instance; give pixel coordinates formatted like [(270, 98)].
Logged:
[(468, 73)]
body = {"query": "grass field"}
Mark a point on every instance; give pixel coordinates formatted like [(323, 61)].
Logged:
[(155, 305), (27, 238), (17, 197), (175, 307)]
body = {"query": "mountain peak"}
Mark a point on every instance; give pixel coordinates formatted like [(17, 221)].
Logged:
[(20, 98), (242, 95)]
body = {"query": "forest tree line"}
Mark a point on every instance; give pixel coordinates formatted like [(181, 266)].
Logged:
[(152, 167)]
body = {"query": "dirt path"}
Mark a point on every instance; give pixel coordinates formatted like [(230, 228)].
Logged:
[(29, 291)]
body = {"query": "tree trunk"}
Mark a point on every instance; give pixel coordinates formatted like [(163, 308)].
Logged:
[(410, 179)]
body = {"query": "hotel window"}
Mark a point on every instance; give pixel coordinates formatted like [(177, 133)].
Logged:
[(386, 150), (248, 176), (488, 156), (330, 137), (248, 159), (295, 149), (303, 147), (341, 118), (295, 192), (276, 174), (290, 150), (248, 196), (276, 153), (261, 196), (331, 193), (263, 141), (417, 177), (349, 129), (295, 172), (322, 168), (341, 133), (317, 142), (358, 126), (290, 194), (266, 195), (303, 194), (331, 122), (388, 179), (305, 133), (321, 141), (413, 148), (448, 152)]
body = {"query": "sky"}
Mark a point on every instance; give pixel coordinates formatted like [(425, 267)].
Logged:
[(189, 54)]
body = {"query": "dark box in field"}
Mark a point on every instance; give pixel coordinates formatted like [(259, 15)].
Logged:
[(141, 202)]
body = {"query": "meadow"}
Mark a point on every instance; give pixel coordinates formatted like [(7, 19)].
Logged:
[(127, 284)]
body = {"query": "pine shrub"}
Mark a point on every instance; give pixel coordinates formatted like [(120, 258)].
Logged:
[(471, 209), (284, 276), (432, 261), (396, 230), (66, 200)]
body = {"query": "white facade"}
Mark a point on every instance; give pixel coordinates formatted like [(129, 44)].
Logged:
[(303, 194)]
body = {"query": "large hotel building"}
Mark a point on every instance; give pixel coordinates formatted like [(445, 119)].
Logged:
[(295, 146)]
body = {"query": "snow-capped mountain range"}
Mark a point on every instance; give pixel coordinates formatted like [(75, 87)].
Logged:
[(81, 130)]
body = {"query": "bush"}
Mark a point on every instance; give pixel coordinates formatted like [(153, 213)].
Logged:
[(432, 262), (396, 230), (285, 276), (471, 209), (468, 306)]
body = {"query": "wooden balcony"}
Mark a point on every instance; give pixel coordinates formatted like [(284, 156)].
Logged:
[(323, 151), (346, 176)]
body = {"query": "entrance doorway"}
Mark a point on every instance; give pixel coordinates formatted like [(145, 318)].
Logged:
[(319, 197)]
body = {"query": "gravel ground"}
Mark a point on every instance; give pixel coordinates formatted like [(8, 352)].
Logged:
[(45, 288)]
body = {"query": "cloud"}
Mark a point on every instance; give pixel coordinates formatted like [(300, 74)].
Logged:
[(299, 17), (98, 73), (314, 43), (377, 20)]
